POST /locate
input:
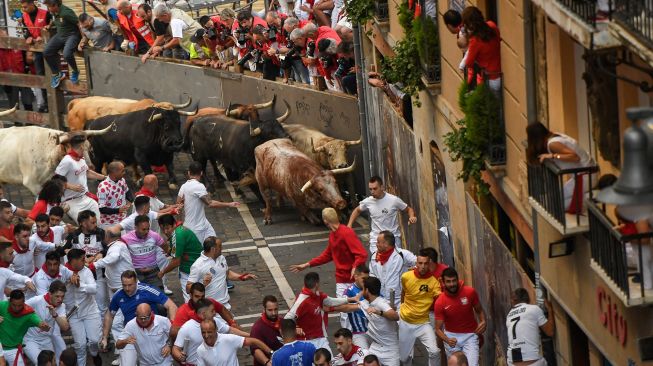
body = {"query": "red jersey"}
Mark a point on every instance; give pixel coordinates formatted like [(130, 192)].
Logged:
[(135, 25), (325, 32), (12, 61), (308, 312), (264, 47), (457, 311), (487, 54), (186, 313), (8, 233), (255, 21), (346, 252), (40, 21)]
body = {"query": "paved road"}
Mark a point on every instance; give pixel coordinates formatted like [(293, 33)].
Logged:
[(250, 246)]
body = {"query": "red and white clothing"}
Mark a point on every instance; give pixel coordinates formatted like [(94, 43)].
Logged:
[(74, 168), (354, 358), (299, 13), (36, 339), (11, 279), (53, 237), (40, 207), (388, 268), (24, 260), (150, 340), (218, 268), (485, 54), (42, 279), (242, 48), (346, 252), (457, 313), (223, 353), (192, 333), (117, 260), (194, 216), (34, 27), (112, 194), (384, 215), (85, 323), (155, 206)]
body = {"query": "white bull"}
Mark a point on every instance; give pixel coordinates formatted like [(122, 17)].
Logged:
[(329, 152), (31, 154)]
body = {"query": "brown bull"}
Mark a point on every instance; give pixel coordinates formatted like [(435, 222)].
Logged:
[(81, 110), (281, 167)]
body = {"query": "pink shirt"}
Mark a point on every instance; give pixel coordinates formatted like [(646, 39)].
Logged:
[(143, 251)]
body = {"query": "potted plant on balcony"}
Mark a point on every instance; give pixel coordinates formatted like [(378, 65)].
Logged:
[(425, 30)]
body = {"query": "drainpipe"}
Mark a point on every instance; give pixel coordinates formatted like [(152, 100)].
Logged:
[(362, 100)]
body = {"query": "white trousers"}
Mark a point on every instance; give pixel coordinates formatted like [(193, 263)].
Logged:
[(102, 295), (387, 354), (408, 333), (203, 234), (162, 261), (467, 343), (34, 346), (362, 340), (80, 204), (340, 292), (86, 333), (320, 343), (183, 280), (10, 357), (540, 362)]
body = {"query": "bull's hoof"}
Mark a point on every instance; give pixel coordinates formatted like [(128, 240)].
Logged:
[(173, 186), (267, 221)]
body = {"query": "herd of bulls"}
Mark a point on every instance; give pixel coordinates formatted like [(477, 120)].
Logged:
[(297, 162)]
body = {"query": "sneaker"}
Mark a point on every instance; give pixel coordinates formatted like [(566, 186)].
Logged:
[(74, 77), (230, 285), (167, 290), (116, 362), (56, 80)]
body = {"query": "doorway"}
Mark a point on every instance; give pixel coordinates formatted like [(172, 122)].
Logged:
[(442, 206)]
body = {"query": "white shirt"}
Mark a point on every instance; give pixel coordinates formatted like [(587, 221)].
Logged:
[(150, 342), (177, 28), (42, 280), (117, 261), (384, 214), (194, 216), (523, 323), (223, 353), (82, 296), (129, 222), (23, 263), (75, 173), (217, 288), (390, 273), (355, 359), (191, 331), (301, 15), (9, 278), (41, 243), (382, 331), (40, 306)]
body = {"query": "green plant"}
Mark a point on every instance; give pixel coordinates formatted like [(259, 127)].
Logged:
[(404, 67), (475, 132), (426, 35), (359, 11)]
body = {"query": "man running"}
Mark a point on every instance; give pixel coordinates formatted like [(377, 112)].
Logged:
[(51, 309), (524, 322), (293, 352), (17, 318)]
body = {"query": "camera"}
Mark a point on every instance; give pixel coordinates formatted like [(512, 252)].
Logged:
[(224, 34), (272, 33), (252, 55), (327, 61), (242, 32), (344, 64), (310, 49), (210, 33)]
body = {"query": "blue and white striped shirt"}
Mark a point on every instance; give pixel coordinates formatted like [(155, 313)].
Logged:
[(357, 318)]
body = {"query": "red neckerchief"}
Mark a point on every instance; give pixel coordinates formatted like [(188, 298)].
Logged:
[(73, 154), (25, 311), (46, 297), (270, 323), (383, 257), (310, 293), (4, 264), (349, 355), (427, 275), (70, 267), (45, 270), (145, 192), (49, 236), (148, 324), (18, 249)]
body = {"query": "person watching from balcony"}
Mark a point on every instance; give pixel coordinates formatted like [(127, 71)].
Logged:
[(484, 49), (566, 154), (454, 22)]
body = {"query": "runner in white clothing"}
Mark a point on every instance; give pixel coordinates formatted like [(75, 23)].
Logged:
[(25, 249), (51, 309), (195, 197), (524, 322), (211, 269), (383, 208), (388, 264), (45, 236), (74, 168), (50, 271), (9, 278), (222, 349), (149, 333)]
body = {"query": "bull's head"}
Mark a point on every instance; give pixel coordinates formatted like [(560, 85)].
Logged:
[(270, 129), (170, 106), (167, 127), (324, 187), (248, 111), (64, 138), (9, 111), (335, 151)]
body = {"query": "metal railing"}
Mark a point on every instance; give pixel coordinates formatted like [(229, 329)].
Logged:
[(608, 247), (381, 10), (546, 186), (636, 16), (430, 49), (584, 9)]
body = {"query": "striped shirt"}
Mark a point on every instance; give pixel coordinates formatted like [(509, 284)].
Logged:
[(357, 318)]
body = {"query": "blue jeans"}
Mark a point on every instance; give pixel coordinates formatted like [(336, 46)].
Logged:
[(300, 71), (69, 45)]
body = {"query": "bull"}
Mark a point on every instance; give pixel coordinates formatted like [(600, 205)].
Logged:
[(82, 110), (230, 141), (31, 154), (147, 137), (283, 168), (329, 152), (240, 111)]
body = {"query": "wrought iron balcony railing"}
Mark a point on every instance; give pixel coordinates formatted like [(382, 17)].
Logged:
[(636, 16)]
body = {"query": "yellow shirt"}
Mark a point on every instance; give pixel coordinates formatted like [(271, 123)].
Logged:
[(419, 294)]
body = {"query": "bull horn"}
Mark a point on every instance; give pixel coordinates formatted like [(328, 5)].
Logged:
[(226, 112), (285, 116), (254, 132), (357, 142), (9, 111), (100, 132), (348, 169), (185, 113), (183, 105), (266, 105), (306, 186), (154, 117), (231, 113), (321, 148)]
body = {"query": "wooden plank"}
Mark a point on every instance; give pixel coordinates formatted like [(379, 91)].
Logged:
[(79, 88), (375, 35), (19, 44), (23, 80), (33, 118)]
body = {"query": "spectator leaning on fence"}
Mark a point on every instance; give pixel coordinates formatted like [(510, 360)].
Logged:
[(66, 38), (181, 27), (135, 28), (97, 30)]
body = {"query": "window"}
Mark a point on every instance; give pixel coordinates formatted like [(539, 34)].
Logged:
[(457, 5)]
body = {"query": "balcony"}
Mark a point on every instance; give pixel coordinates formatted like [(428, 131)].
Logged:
[(546, 195), (633, 25), (578, 19), (610, 257)]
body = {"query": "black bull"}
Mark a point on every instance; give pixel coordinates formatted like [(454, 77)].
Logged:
[(148, 137), (217, 138)]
